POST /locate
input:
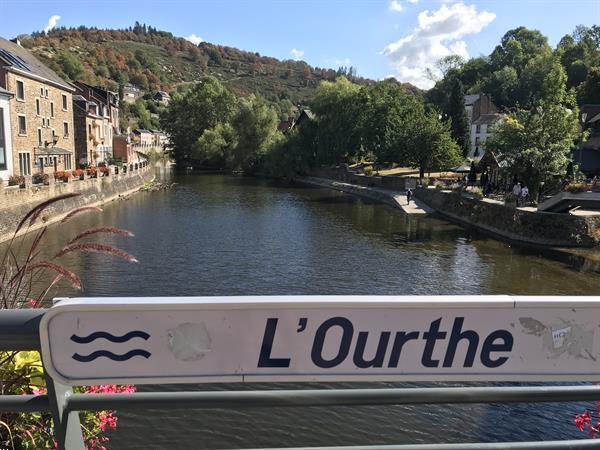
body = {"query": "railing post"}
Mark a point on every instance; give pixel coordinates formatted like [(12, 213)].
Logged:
[(67, 427)]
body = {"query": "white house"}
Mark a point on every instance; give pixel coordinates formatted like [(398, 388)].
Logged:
[(482, 115), (6, 153)]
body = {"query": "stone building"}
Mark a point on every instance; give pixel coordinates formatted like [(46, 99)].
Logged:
[(482, 115), (6, 153), (41, 112), (97, 121)]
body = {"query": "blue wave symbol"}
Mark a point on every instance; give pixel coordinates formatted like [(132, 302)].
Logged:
[(109, 337), (110, 355)]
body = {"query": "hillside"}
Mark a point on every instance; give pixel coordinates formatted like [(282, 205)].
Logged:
[(157, 60)]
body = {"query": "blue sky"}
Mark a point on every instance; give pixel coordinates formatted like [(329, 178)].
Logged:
[(379, 37)]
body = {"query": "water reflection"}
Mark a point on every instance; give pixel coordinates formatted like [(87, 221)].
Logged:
[(223, 235)]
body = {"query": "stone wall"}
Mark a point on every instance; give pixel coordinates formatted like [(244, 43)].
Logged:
[(16, 202), (509, 223)]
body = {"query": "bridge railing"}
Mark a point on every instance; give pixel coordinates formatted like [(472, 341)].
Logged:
[(19, 330)]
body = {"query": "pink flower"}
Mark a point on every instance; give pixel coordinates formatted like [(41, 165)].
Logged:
[(581, 420), (39, 391)]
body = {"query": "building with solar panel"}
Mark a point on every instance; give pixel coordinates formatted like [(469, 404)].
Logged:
[(41, 113)]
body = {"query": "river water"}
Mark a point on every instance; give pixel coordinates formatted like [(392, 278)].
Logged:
[(225, 235)]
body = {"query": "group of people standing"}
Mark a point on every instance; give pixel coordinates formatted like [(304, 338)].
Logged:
[(521, 194)]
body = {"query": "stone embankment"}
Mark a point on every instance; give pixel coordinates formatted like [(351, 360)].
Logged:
[(15, 202), (503, 222), (513, 224)]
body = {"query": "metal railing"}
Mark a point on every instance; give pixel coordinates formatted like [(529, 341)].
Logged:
[(19, 330)]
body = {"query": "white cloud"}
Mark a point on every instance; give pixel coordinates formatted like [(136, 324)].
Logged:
[(437, 35), (194, 39), (297, 54), (395, 5), (52, 21)]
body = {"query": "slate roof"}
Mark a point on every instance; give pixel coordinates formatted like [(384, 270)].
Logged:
[(19, 60), (471, 98)]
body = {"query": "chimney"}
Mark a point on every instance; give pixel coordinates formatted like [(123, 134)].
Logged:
[(16, 41)]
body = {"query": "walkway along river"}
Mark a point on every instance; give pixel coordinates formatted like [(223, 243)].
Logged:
[(224, 235)]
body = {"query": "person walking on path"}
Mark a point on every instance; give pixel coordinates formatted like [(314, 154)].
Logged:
[(408, 196), (517, 192), (524, 195)]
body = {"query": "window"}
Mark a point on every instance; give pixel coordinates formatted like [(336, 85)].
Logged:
[(40, 141), (64, 102), (46, 91), (65, 129), (51, 109), (38, 107), (54, 136), (25, 163), (22, 124), (90, 131), (20, 91), (3, 163), (41, 92), (67, 162), (477, 140), (478, 129)]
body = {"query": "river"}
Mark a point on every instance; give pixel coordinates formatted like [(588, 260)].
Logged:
[(225, 235)]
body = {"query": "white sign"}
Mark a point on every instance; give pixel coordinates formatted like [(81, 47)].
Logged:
[(332, 338)]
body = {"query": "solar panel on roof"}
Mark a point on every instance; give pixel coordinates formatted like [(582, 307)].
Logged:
[(14, 60)]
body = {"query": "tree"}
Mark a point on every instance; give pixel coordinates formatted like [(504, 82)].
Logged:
[(589, 91), (203, 106), (255, 125), (389, 117), (535, 143), (457, 114), (214, 145), (337, 108), (71, 66), (435, 147)]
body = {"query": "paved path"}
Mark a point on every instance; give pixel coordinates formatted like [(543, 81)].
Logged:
[(415, 207)]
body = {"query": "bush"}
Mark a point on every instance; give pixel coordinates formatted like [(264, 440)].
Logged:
[(440, 185), (368, 171), (456, 187), (16, 180), (105, 171), (92, 172), (78, 173), (576, 188), (40, 178)]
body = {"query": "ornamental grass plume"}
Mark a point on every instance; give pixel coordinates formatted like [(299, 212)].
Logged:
[(27, 280)]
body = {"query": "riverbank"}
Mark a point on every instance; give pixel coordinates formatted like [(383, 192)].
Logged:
[(393, 198), (16, 202), (500, 221)]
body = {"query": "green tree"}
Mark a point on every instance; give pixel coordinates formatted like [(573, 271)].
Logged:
[(214, 146), (255, 125), (71, 66), (535, 143), (337, 108), (435, 149), (203, 106), (457, 114), (589, 91), (389, 117)]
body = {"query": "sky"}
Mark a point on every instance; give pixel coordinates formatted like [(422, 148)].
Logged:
[(381, 38)]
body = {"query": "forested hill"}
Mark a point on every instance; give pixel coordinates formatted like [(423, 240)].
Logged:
[(158, 60)]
